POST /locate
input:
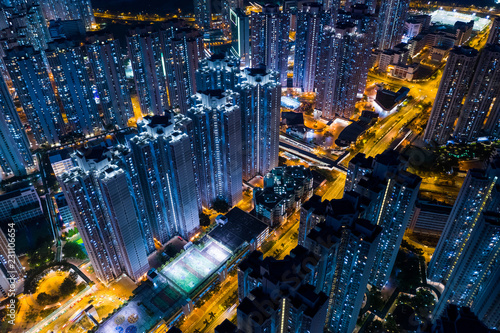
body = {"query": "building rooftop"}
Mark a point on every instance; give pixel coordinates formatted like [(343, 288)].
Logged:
[(241, 227)]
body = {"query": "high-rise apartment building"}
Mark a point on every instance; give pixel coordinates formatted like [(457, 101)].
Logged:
[(203, 13), (67, 65), (338, 72), (260, 100), (145, 52), (182, 51), (483, 93), (108, 75), (392, 193), (99, 196), (82, 192), (270, 40), (391, 20), (311, 20), (494, 35), (15, 154), (453, 88), (475, 196), (487, 302), (476, 265), (30, 77), (285, 288), (124, 221), (69, 10), (216, 132), (218, 72), (160, 165), (347, 253)]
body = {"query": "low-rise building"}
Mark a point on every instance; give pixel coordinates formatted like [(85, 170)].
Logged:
[(285, 189)]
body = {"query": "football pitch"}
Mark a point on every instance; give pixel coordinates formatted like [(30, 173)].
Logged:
[(195, 265)]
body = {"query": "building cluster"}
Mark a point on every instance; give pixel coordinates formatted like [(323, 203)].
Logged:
[(330, 47), (130, 198), (344, 245), (466, 105), (401, 61), (466, 258)]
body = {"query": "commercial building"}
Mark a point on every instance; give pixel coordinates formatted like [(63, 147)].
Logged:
[(216, 136), (238, 229), (20, 206), (240, 40), (429, 218), (452, 90), (270, 40)]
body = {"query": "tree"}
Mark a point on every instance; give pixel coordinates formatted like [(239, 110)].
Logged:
[(204, 220), (73, 250), (46, 299), (220, 206), (67, 287), (212, 315)]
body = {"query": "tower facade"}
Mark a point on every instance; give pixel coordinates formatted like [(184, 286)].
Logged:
[(108, 74), (482, 94), (162, 175), (476, 266), (15, 154), (31, 81), (270, 40), (453, 88), (391, 20), (218, 72), (66, 60), (346, 257), (310, 22), (81, 189), (183, 50), (203, 13), (260, 100), (338, 71), (216, 128), (494, 35), (474, 196)]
